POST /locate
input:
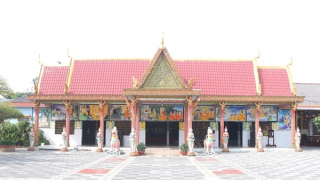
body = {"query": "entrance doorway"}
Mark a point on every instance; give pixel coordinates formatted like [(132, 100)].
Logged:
[(235, 134), (89, 132), (162, 133)]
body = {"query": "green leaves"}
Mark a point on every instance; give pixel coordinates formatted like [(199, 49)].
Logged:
[(7, 112), (316, 122)]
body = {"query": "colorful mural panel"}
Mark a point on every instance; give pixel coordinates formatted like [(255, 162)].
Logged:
[(161, 113), (204, 113), (92, 112), (44, 117), (74, 113), (58, 112), (232, 113), (267, 113), (284, 119), (120, 112)]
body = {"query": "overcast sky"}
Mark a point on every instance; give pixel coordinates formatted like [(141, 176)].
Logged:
[(133, 29)]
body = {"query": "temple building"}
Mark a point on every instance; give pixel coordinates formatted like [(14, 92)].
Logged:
[(162, 98)]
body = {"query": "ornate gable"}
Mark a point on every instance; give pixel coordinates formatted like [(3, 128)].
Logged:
[(162, 73)]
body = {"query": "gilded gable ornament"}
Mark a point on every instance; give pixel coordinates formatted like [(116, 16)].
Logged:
[(259, 90), (294, 90), (190, 83), (66, 88), (135, 83)]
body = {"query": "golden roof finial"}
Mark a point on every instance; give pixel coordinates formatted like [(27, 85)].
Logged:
[(162, 47)]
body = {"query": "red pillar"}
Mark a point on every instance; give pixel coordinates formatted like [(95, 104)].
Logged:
[(185, 122), (68, 109), (102, 114), (137, 124), (293, 127), (36, 122), (190, 117), (221, 125), (257, 125)]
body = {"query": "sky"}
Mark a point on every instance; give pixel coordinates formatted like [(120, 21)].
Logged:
[(220, 29)]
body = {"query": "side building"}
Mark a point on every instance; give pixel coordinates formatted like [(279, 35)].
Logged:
[(162, 98)]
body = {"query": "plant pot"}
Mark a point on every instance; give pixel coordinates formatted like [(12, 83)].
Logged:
[(183, 153), (141, 153)]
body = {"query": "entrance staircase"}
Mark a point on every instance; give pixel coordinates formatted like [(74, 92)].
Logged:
[(162, 151)]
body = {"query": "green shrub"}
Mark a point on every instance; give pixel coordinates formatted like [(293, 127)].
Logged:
[(42, 139), (6, 142), (141, 147), (184, 147)]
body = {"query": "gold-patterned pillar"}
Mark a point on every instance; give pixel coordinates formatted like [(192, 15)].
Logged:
[(36, 105), (137, 123), (257, 123), (132, 105), (293, 123), (222, 106), (192, 103), (67, 103)]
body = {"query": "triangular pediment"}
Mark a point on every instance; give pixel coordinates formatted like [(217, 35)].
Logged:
[(162, 73)]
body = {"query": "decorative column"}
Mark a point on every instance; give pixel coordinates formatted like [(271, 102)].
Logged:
[(132, 105), (102, 114), (257, 125), (68, 105), (293, 123), (36, 105), (137, 123), (185, 109), (222, 105), (192, 103)]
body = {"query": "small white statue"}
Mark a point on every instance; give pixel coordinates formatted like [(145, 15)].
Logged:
[(298, 138), (64, 137), (115, 142), (259, 138), (31, 137), (225, 138), (190, 139), (99, 138), (132, 139)]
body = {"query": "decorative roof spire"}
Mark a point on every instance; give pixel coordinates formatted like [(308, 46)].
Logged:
[(162, 43)]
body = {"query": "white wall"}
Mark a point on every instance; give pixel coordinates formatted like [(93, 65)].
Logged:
[(181, 137), (108, 137), (55, 139), (142, 136), (245, 138), (216, 138)]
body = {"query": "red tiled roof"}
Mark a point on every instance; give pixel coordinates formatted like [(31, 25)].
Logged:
[(105, 76), (220, 77), (53, 79), (274, 82)]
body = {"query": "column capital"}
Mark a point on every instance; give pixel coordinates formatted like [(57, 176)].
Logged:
[(67, 103), (36, 104), (294, 106), (101, 104), (222, 104), (192, 101), (131, 102), (258, 105)]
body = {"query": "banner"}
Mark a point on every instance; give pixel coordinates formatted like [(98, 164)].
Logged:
[(161, 113)]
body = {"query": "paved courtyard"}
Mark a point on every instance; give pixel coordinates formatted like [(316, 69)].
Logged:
[(285, 164)]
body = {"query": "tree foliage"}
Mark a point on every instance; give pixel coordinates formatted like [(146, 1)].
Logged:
[(316, 122), (8, 112), (18, 134), (5, 89)]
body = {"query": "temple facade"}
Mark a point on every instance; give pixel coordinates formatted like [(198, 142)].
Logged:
[(162, 99)]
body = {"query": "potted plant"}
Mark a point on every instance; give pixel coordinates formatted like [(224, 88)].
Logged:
[(184, 149), (141, 148)]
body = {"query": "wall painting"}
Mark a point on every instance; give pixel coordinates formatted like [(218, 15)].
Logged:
[(92, 112), (284, 119), (58, 112), (246, 126), (232, 113), (44, 117), (120, 112), (267, 113), (203, 113), (161, 112)]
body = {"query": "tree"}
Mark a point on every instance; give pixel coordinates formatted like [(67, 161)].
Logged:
[(316, 122), (8, 112), (5, 89)]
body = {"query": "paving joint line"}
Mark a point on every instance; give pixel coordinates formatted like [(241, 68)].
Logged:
[(248, 172), (77, 169), (208, 174), (117, 169)]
